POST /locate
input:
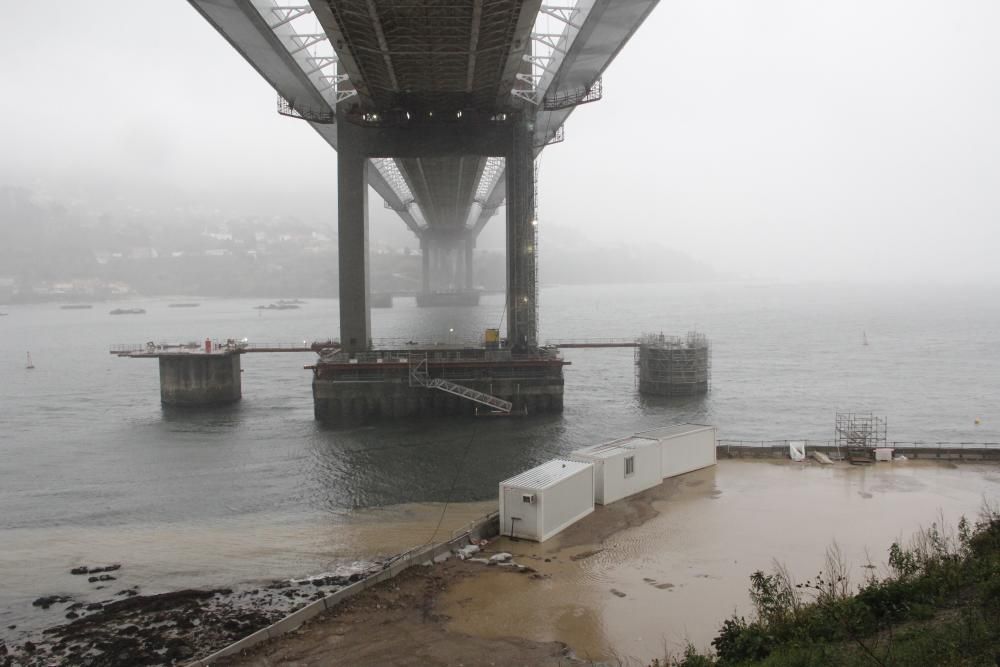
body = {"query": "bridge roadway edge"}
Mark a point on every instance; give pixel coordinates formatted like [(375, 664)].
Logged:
[(485, 527)]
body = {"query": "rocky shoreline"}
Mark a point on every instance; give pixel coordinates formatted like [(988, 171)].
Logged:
[(132, 628)]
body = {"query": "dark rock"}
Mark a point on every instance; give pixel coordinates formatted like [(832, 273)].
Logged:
[(29, 647), (106, 577), (79, 570), (129, 629), (12, 627), (71, 615), (91, 580), (75, 605), (106, 568), (95, 606), (47, 601)]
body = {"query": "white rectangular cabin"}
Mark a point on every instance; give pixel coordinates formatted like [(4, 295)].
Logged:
[(622, 467), (684, 447), (538, 503)]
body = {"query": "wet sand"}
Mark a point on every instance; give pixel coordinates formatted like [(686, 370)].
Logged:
[(649, 574), (244, 551), (398, 623)]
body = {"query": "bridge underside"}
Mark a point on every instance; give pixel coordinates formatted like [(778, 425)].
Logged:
[(447, 145), (441, 106)]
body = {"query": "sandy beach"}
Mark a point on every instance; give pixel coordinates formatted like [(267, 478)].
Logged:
[(642, 577)]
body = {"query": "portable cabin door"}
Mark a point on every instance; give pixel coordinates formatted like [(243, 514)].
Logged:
[(521, 506)]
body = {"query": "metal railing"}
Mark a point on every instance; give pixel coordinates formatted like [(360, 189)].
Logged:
[(592, 342), (895, 444)]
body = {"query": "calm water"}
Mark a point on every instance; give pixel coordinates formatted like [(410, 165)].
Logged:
[(94, 470)]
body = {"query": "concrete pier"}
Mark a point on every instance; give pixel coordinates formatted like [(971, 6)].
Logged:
[(458, 298), (200, 380), (378, 385)]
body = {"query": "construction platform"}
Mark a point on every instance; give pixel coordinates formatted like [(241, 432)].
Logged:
[(435, 381), (203, 375)]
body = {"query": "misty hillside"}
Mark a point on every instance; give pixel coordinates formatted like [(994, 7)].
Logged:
[(569, 258), (50, 250)]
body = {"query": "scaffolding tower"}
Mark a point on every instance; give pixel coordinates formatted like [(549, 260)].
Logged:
[(673, 365), (860, 431)]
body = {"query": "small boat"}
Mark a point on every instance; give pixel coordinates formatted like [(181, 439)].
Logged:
[(76, 306), (30, 365), (290, 302), (127, 311), (183, 305), (278, 306)]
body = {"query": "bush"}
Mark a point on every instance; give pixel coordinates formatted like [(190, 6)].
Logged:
[(739, 641)]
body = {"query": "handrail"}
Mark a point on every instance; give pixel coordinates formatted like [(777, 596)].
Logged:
[(896, 444)]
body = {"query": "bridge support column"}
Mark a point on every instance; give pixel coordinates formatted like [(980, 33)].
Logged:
[(522, 329), (352, 236), (425, 252), (200, 380), (470, 244)]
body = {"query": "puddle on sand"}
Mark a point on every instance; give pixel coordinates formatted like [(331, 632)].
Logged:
[(680, 570)]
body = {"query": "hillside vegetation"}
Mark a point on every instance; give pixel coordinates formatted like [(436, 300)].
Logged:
[(938, 604)]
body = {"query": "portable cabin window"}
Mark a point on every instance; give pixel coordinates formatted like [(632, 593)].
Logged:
[(629, 466)]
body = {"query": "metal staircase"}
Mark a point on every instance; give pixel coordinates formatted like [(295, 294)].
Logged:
[(420, 378)]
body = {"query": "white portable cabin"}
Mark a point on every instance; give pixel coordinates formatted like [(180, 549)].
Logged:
[(683, 447), (538, 503), (622, 467)]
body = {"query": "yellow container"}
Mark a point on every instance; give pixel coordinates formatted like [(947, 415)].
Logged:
[(492, 336)]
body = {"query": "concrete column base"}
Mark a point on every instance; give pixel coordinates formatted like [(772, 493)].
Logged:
[(200, 380)]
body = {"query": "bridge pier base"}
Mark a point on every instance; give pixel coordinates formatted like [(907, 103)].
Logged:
[(378, 386), (200, 380)]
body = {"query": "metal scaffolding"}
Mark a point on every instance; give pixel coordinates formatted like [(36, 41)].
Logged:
[(860, 431), (673, 365)]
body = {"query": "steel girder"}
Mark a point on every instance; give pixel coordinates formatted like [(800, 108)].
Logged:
[(423, 55)]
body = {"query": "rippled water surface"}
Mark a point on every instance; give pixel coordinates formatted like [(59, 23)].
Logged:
[(95, 470)]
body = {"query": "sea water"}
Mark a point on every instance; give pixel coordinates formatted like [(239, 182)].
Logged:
[(94, 470)]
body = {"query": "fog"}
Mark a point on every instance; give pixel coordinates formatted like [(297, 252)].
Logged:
[(792, 141)]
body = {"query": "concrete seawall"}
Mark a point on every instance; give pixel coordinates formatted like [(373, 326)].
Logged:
[(486, 527), (942, 452)]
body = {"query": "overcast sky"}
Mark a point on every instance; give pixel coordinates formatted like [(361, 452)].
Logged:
[(791, 140)]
